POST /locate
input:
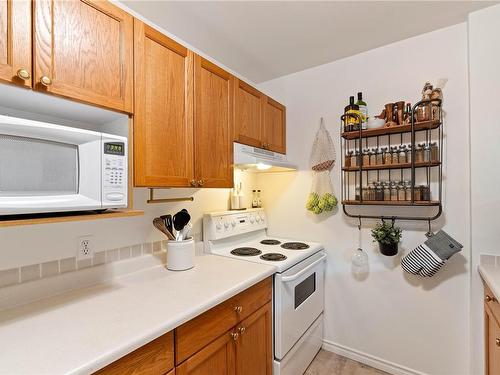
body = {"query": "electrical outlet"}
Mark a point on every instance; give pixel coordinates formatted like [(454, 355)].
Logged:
[(85, 248)]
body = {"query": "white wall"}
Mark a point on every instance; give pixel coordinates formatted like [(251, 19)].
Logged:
[(484, 63), (410, 324)]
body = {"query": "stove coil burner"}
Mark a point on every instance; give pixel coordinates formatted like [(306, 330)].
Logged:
[(295, 246), (273, 257), (270, 242), (246, 251)]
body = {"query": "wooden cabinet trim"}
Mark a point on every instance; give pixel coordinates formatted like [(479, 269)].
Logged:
[(156, 357), (15, 41), (145, 156), (45, 62)]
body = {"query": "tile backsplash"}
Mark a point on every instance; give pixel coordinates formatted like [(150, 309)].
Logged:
[(32, 272)]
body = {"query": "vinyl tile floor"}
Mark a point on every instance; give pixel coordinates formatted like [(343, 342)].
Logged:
[(327, 363)]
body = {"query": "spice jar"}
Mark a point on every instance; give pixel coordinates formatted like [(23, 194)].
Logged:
[(373, 156), (366, 157), (387, 191), (419, 153), (394, 191), (417, 193), (427, 153), (434, 152), (366, 193), (408, 190), (401, 192), (379, 157), (402, 154), (357, 193), (379, 192), (354, 159), (347, 160), (408, 153), (425, 193), (386, 155)]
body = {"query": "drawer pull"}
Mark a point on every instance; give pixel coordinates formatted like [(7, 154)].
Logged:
[(497, 342), (489, 299), (235, 335), (46, 81), (242, 330), (23, 74), (238, 309)]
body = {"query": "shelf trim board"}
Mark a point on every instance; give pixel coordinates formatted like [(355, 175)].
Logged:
[(392, 203), (398, 129), (391, 166), (67, 217)]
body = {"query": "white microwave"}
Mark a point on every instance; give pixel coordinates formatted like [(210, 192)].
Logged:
[(51, 168)]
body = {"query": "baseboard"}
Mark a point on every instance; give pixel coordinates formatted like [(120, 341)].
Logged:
[(370, 360)]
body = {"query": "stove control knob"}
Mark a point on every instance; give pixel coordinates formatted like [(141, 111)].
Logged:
[(252, 219), (218, 225), (262, 216), (257, 219), (226, 224), (233, 223)]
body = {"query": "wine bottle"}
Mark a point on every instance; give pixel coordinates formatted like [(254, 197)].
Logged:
[(363, 109), (351, 122)]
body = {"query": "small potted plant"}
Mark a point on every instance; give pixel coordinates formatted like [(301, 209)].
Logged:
[(388, 237)]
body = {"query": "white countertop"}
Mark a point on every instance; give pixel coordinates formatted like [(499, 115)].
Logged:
[(84, 330), (491, 276)]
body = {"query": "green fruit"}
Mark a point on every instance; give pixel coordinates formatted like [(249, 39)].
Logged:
[(317, 210)]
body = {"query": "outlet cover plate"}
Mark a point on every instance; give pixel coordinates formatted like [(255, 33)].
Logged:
[(85, 247)]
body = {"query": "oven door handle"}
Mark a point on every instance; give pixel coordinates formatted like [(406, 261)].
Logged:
[(287, 279)]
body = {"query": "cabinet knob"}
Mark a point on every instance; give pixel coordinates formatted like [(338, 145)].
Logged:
[(193, 182), (46, 81), (235, 335), (201, 182), (242, 330), (497, 342), (23, 74), (489, 298), (238, 309)]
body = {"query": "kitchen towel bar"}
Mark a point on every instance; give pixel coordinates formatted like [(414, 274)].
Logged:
[(152, 198)]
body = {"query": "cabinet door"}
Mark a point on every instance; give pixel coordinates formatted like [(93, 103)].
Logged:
[(254, 346), (216, 358), (274, 130), (15, 42), (83, 49), (247, 114), (213, 125), (492, 332), (163, 120)]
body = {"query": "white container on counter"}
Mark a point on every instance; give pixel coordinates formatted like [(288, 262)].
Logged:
[(180, 255)]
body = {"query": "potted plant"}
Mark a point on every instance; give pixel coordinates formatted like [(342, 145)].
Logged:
[(388, 237)]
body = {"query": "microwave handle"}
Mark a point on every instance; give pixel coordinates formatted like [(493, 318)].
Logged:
[(287, 279)]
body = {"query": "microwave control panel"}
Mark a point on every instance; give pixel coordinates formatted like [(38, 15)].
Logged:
[(115, 174)]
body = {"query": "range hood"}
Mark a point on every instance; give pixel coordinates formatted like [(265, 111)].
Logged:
[(256, 159)]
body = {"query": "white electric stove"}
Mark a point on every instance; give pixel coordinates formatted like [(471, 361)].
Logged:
[(298, 282)]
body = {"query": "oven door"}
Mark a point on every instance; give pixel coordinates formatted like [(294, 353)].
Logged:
[(299, 300), (48, 168)]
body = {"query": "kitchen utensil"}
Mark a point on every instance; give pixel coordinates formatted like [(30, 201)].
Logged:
[(181, 218), (399, 112), (375, 122), (160, 225), (168, 222), (186, 231)]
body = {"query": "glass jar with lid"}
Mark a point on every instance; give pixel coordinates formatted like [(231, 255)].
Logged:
[(386, 155), (366, 157), (425, 193), (401, 192), (379, 192), (402, 154), (373, 156), (347, 160), (419, 153), (379, 157), (427, 153), (387, 191), (357, 191), (417, 193), (408, 190), (434, 152), (408, 153), (394, 191), (354, 158)]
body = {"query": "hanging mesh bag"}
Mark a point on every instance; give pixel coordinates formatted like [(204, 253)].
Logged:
[(322, 160)]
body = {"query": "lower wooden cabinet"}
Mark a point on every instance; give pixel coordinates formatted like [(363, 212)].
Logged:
[(492, 332)]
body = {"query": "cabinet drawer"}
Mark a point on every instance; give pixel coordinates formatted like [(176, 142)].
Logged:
[(492, 303), (155, 358), (200, 331)]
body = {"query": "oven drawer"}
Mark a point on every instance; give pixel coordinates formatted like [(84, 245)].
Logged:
[(200, 331), (299, 300)]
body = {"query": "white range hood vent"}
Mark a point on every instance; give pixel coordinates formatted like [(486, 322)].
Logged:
[(256, 159)]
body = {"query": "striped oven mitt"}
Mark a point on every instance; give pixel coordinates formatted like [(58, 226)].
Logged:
[(429, 257)]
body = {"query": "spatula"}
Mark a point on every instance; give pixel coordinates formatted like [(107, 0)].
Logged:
[(160, 225)]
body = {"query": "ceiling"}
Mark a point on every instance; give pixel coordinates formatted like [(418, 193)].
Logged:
[(262, 40)]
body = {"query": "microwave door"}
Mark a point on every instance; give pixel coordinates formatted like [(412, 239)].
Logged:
[(48, 168)]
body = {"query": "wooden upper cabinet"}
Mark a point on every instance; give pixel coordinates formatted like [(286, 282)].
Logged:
[(83, 49), (15, 42), (163, 115), (213, 125), (247, 114), (274, 129), (216, 358), (254, 353)]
